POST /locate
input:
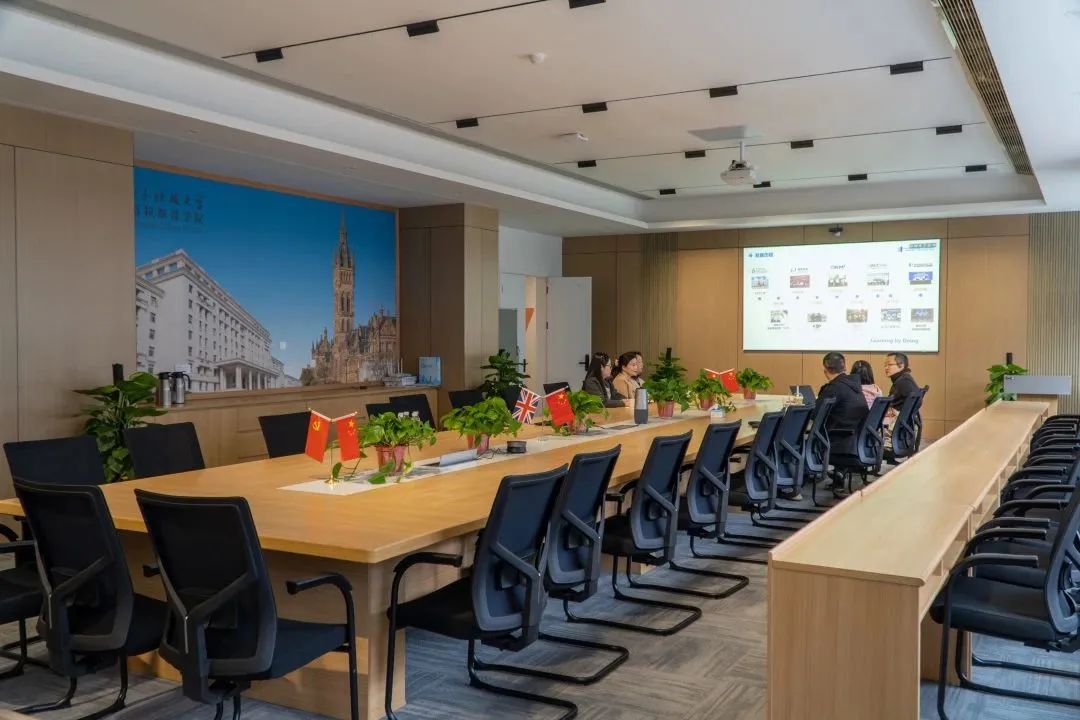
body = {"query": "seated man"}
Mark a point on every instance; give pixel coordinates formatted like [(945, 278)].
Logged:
[(850, 406), (903, 384)]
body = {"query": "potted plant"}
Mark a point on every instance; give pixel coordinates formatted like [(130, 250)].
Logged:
[(480, 421), (122, 405), (667, 366), (391, 435), (666, 392), (751, 382), (503, 374), (708, 390), (995, 389), (584, 406)]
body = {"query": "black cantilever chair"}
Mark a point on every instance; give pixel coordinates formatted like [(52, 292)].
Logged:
[(223, 631), (817, 448), (500, 602), (1045, 617), (69, 460), (758, 480), (647, 532), (416, 403), (285, 434), (907, 430), (163, 449), (20, 598), (790, 443), (869, 444), (573, 568), (91, 618), (466, 398)]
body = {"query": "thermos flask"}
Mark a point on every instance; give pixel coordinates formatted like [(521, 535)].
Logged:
[(164, 390), (181, 383), (641, 406)]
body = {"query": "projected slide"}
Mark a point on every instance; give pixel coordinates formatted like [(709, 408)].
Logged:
[(879, 296)]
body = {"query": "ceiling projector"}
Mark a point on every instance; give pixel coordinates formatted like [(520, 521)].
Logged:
[(741, 171)]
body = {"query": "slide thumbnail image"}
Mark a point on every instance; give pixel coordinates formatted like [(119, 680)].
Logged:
[(837, 280), (922, 315), (920, 277), (800, 281), (890, 314), (817, 318), (857, 315), (777, 317), (878, 279), (759, 282)]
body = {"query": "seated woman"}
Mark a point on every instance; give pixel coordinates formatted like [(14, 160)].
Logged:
[(628, 374), (862, 370), (598, 381)]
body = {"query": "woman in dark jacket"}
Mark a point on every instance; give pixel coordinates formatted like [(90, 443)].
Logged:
[(598, 381)]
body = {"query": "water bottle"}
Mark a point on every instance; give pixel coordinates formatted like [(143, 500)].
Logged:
[(641, 406)]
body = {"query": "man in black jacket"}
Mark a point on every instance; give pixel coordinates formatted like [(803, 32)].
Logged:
[(903, 384), (850, 407)]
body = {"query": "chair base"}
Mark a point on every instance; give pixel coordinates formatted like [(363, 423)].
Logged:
[(622, 654), (65, 702), (474, 680), (758, 519), (740, 581), (723, 540), (220, 711), (1006, 665)]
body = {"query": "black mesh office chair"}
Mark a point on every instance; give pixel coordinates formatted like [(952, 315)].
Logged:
[(500, 602), (510, 396), (1044, 617), (285, 434), (417, 403), (69, 460), (905, 431), (552, 387), (223, 631), (163, 449), (466, 398), (573, 567), (91, 618), (818, 448), (790, 445), (869, 445), (756, 482), (20, 599), (375, 409)]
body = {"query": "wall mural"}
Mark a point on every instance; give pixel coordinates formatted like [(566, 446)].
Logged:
[(245, 288)]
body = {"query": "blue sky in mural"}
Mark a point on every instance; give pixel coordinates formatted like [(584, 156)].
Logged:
[(273, 252)]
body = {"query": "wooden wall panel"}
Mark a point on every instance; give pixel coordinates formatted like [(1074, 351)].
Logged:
[(707, 302), (759, 237), (489, 330), (628, 302), (601, 267), (447, 278), (853, 232), (1054, 301), (76, 283), (414, 282), (911, 230), (35, 130), (9, 335), (784, 368), (989, 226)]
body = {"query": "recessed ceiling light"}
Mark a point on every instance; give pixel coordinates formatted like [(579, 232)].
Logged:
[(269, 55), (537, 57), (949, 129), (856, 177), (907, 67), (801, 144), (691, 154), (584, 3), (725, 91), (594, 107), (763, 184), (974, 168), (427, 27), (667, 191), (467, 123), (586, 163)]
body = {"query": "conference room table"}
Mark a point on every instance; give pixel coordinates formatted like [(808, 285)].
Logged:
[(364, 535)]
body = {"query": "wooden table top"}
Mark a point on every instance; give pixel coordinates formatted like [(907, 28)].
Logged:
[(385, 523), (900, 527)]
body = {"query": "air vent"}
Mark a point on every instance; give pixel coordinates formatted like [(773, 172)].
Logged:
[(467, 123), (269, 55), (667, 191), (905, 68), (574, 4), (594, 107), (765, 184), (950, 129), (691, 154), (974, 168), (427, 27), (963, 21), (586, 163), (726, 91), (856, 177), (801, 144)]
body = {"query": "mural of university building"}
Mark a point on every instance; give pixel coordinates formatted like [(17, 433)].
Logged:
[(184, 318), (351, 354)]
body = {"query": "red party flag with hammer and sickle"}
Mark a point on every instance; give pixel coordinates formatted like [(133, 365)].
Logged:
[(348, 440), (317, 434), (558, 404)]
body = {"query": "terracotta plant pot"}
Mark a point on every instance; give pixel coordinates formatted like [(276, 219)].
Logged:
[(386, 453), (705, 402), (481, 444), (666, 409), (749, 394)]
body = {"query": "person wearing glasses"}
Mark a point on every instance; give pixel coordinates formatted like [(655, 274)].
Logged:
[(903, 384), (598, 381)]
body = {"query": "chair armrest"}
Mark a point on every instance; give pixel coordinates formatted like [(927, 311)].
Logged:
[(150, 570), (336, 579), (1052, 488), (1016, 522), (1022, 506), (999, 559), (427, 558), (992, 534), (7, 533), (11, 547)]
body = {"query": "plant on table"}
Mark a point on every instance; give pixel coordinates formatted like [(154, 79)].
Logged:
[(479, 422), (667, 366), (667, 392), (503, 374), (995, 389), (752, 382), (585, 407), (122, 405), (392, 434), (709, 390)]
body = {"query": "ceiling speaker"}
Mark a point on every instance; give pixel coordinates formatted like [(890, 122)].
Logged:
[(856, 177), (974, 168), (726, 91), (667, 191), (584, 3), (949, 129), (764, 184), (594, 107), (586, 163), (467, 123), (801, 144), (691, 154), (905, 68), (427, 27), (269, 55)]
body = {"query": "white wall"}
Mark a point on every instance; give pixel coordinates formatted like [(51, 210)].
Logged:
[(527, 253)]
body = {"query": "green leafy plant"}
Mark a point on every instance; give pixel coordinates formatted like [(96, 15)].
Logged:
[(670, 389), (489, 417), (585, 407), (995, 389), (667, 367), (392, 430), (750, 379), (120, 406), (503, 373), (704, 387)]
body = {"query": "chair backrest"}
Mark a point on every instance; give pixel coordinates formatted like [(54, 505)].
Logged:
[(511, 555), (904, 431), (654, 509), (466, 398), (552, 387), (88, 594), (510, 396), (869, 438), (790, 443), (417, 403), (709, 486), (917, 418), (285, 434), (574, 534), (760, 471), (374, 409), (818, 446), (209, 556), (68, 461), (163, 449), (1064, 562)]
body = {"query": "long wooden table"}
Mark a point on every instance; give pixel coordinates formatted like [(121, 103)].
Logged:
[(363, 536), (849, 637)]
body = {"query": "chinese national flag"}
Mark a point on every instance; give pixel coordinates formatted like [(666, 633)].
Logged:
[(728, 378), (317, 434), (348, 441), (558, 404), (711, 373)]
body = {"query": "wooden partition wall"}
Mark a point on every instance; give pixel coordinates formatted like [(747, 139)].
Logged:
[(983, 302)]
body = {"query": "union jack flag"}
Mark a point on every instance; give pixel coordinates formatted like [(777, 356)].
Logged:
[(526, 406)]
